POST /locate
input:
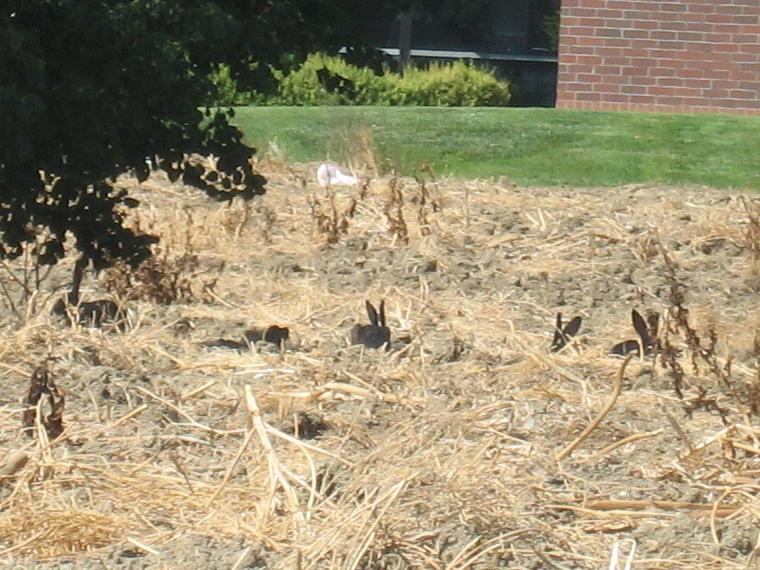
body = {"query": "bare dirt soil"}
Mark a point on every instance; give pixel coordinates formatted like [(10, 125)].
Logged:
[(461, 447)]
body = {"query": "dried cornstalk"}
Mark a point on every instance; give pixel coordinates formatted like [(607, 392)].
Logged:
[(602, 414)]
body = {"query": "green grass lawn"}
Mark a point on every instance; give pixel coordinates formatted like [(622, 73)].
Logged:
[(529, 146)]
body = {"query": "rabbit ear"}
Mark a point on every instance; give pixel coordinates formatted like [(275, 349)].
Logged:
[(382, 313), (641, 327), (572, 327), (371, 313), (557, 330)]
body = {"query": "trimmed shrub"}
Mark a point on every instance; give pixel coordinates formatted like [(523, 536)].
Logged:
[(327, 80), (227, 92), (452, 85)]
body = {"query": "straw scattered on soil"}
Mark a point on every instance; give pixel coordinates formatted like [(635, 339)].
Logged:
[(462, 447)]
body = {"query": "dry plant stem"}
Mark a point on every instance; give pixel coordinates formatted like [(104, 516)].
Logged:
[(354, 524), (716, 437), (29, 540), (242, 559), (466, 207), (199, 390), (548, 561), (231, 468), (144, 547), (643, 514), (168, 356), (9, 299), (126, 417), (593, 425), (745, 447), (14, 369), (275, 473), (677, 428), (43, 442), (329, 390), (615, 555), (181, 469), (663, 505), (599, 508), (182, 413), (365, 393), (470, 562), (389, 498), (462, 553), (304, 446), (713, 517), (716, 509), (627, 440), (221, 301)]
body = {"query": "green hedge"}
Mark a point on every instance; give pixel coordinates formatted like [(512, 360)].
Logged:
[(227, 92), (303, 87), (450, 85)]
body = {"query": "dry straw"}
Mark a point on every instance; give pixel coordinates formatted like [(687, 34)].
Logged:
[(469, 445)]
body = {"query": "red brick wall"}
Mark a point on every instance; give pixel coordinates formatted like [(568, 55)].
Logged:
[(651, 55)]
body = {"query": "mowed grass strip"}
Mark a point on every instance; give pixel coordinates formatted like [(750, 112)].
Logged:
[(529, 146)]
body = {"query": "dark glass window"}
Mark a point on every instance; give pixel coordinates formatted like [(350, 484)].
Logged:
[(497, 26)]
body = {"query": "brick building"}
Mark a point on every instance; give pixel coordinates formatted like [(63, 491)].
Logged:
[(651, 55)]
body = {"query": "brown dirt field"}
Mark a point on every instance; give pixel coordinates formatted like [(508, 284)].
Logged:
[(441, 453)]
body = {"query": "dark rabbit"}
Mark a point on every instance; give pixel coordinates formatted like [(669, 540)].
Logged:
[(277, 335), (273, 334), (647, 341), (89, 313), (375, 334), (562, 335)]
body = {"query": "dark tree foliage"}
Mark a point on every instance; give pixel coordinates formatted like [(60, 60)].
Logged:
[(283, 32), (88, 90)]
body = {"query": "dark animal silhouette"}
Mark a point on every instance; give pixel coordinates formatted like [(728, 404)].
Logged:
[(42, 386), (562, 335), (375, 334), (336, 83), (647, 335), (274, 334), (87, 313)]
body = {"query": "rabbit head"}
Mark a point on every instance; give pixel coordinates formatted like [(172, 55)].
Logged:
[(276, 335), (646, 340), (375, 334)]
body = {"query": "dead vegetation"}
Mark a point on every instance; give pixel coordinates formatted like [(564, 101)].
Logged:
[(43, 394), (331, 221), (470, 444), (394, 212)]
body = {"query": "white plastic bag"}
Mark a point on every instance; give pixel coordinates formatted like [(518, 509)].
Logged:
[(330, 175)]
